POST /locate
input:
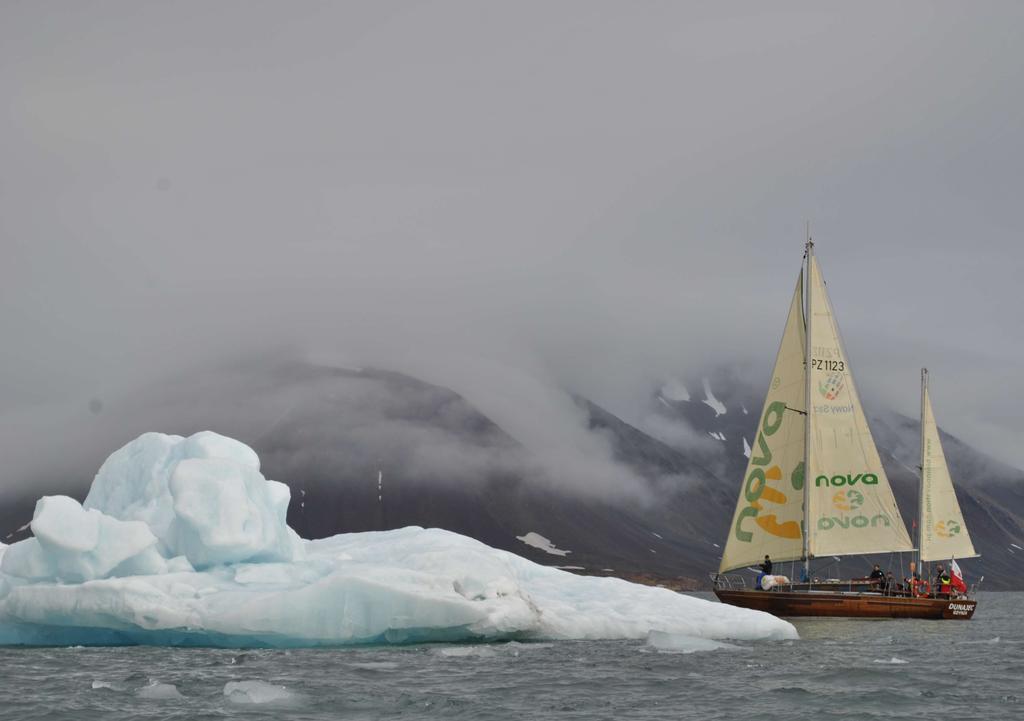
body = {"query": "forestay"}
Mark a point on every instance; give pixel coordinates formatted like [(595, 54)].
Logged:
[(769, 513), (851, 508)]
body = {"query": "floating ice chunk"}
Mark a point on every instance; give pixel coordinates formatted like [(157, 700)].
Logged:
[(159, 691), (466, 652), (717, 435), (96, 685), (746, 448), (77, 545), (404, 586), (709, 400), (894, 661), (678, 643), (538, 541), (256, 692)]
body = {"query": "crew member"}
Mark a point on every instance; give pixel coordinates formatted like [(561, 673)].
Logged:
[(890, 583), (942, 581), (878, 577), (766, 567)]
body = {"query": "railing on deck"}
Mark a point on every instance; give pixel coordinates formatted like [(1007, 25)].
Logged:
[(737, 582), (728, 581)]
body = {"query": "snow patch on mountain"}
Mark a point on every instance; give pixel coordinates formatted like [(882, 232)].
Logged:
[(538, 541), (709, 400), (674, 390)]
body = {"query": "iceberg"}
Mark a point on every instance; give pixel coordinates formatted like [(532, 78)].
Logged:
[(182, 541)]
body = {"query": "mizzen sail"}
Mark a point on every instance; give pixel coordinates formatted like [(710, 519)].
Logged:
[(851, 508), (769, 514), (943, 530)]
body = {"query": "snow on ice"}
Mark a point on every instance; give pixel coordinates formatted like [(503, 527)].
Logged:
[(182, 541)]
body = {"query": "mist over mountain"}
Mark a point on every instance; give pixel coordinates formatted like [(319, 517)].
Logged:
[(368, 449)]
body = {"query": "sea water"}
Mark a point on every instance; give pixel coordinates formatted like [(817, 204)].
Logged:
[(898, 669)]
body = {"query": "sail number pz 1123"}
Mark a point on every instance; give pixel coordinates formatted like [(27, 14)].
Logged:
[(823, 364)]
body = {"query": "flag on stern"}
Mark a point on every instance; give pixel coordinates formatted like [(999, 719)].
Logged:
[(956, 576)]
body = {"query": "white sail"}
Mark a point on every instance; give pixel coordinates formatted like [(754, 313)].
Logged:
[(943, 530), (850, 505), (769, 512)]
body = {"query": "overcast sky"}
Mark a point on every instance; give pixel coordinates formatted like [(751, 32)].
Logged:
[(598, 194)]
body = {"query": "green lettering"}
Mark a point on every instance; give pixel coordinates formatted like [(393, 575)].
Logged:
[(881, 516), (859, 521), (838, 480), (797, 479), (870, 479), (741, 535), (825, 524), (754, 492), (821, 480), (766, 453), (852, 479), (770, 426)]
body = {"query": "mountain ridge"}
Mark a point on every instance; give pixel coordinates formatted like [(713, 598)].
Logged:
[(328, 431)]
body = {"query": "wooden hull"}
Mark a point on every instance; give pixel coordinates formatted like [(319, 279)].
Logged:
[(848, 605)]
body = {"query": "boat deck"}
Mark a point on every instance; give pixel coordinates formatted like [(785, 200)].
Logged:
[(819, 601)]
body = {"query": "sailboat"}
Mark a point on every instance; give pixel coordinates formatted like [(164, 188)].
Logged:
[(815, 486)]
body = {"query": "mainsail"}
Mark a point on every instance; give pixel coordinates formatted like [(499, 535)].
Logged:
[(769, 513), (943, 530), (850, 505)]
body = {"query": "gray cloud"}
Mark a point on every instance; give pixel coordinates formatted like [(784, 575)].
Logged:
[(509, 199)]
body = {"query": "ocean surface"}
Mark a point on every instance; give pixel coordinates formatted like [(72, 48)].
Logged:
[(838, 669)]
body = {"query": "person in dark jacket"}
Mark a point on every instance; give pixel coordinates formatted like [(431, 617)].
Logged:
[(766, 567), (878, 577)]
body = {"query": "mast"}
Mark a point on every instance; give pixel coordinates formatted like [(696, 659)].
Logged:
[(808, 253), (920, 487)]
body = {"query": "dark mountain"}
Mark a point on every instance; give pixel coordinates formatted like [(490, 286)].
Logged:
[(328, 432)]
